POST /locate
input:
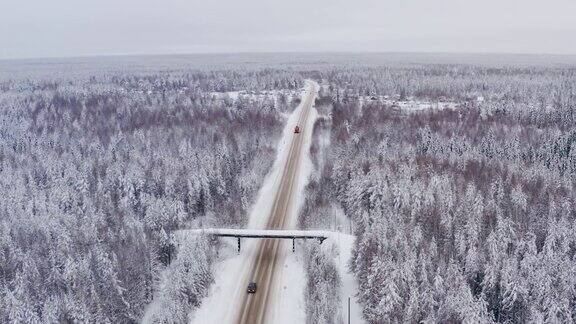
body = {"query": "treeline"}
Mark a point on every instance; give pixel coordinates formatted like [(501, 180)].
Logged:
[(464, 215), (97, 171)]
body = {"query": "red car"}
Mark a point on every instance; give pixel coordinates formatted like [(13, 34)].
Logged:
[(297, 130)]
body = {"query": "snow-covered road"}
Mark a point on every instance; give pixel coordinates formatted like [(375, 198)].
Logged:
[(269, 263)]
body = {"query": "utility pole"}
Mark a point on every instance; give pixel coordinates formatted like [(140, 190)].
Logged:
[(348, 309)]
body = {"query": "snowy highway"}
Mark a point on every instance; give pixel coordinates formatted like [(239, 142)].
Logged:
[(268, 262), (264, 266)]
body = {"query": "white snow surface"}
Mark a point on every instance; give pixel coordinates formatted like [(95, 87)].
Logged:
[(287, 303)]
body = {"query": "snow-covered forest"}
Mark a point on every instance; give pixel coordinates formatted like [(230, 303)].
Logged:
[(461, 215), (96, 170), (465, 214)]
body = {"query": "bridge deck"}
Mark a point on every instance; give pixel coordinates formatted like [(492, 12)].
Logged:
[(247, 233), (288, 234)]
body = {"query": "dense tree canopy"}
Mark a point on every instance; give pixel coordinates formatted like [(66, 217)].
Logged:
[(463, 214), (97, 170)]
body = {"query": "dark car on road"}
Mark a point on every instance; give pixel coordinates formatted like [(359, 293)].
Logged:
[(252, 288)]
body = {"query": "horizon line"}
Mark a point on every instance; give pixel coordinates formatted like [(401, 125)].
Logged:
[(352, 52)]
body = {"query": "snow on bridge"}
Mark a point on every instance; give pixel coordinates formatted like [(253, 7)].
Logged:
[(267, 234)]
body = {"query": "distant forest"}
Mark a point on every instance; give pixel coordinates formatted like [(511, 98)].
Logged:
[(460, 215)]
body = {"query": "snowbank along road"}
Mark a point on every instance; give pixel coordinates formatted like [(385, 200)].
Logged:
[(264, 266)]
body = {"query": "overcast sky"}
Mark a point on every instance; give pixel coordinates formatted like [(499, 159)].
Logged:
[(47, 28)]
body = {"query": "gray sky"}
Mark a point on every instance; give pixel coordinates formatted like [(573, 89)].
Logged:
[(46, 28)]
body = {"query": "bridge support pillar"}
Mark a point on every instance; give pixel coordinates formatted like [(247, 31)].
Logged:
[(238, 244), (293, 245)]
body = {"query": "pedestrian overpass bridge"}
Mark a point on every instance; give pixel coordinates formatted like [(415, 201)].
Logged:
[(262, 234)]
